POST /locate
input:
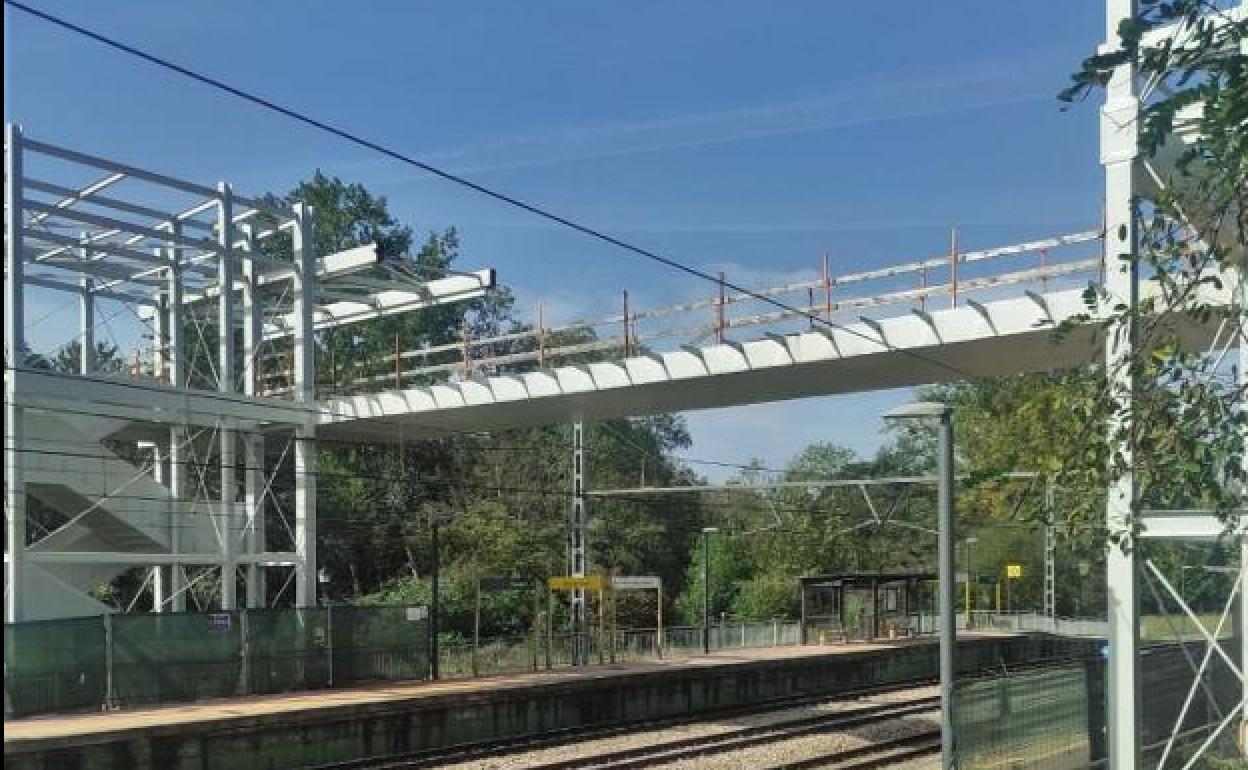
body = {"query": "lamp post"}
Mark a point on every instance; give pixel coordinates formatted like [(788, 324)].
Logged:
[(948, 632), (706, 588)]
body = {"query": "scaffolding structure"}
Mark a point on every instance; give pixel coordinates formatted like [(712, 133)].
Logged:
[(169, 464)]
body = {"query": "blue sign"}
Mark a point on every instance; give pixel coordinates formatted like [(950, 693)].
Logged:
[(219, 621)]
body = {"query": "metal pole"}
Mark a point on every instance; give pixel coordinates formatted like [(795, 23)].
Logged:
[(303, 290), (1119, 127), (433, 601), (706, 592), (476, 630), (969, 593), (225, 383), (15, 356), (658, 637), (576, 544), (948, 633)]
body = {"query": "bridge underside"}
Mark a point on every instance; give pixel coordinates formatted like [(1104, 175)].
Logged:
[(982, 340)]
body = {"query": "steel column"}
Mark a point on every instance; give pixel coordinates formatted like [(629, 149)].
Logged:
[(86, 314), (227, 521), (175, 360), (15, 355), (303, 290), (253, 539), (948, 586), (1119, 150), (577, 526)]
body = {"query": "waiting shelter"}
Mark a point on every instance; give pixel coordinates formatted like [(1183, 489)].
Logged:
[(866, 605)]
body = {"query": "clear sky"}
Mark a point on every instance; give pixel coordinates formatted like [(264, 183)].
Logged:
[(739, 136)]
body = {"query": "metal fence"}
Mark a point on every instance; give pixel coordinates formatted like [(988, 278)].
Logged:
[(512, 654), (1055, 718), (126, 660)]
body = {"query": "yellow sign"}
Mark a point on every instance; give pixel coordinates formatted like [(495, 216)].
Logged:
[(587, 583), (1013, 570)]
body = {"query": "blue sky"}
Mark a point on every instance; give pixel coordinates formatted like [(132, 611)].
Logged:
[(745, 137)]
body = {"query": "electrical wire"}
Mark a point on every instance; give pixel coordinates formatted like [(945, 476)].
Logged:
[(501, 197)]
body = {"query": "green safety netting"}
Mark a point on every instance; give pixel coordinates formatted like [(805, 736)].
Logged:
[(287, 649), (54, 665), (176, 657)]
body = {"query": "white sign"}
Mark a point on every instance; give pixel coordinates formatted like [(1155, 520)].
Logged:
[(638, 583), (417, 613)]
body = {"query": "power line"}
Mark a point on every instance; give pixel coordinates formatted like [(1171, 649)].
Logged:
[(510, 200)]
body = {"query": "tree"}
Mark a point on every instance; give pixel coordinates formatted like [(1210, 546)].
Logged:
[(1186, 430)]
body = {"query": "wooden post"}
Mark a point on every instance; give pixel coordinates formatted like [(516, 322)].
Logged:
[(463, 335)]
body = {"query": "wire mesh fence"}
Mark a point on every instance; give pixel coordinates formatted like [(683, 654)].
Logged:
[(140, 659), (1055, 718)]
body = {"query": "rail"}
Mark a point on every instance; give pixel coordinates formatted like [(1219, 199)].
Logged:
[(631, 331)]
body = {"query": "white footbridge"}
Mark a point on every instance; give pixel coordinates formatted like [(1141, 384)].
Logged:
[(168, 464)]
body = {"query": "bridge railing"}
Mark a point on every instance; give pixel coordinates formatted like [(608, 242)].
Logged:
[(958, 276)]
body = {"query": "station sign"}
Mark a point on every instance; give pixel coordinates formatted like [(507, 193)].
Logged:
[(569, 583), (636, 583)]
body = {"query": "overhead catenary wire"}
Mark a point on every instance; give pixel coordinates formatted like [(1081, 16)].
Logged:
[(510, 200), (494, 194)]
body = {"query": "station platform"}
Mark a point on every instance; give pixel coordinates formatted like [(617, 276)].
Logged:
[(328, 727)]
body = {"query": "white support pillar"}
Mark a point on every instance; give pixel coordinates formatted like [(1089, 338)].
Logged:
[(253, 443), (15, 354), (175, 361), (253, 501), (304, 381), (1242, 628), (577, 526), (161, 575), (227, 522), (1119, 149)]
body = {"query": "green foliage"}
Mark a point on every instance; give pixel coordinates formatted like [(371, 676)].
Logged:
[(1174, 408)]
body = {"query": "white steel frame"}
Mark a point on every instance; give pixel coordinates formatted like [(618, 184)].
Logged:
[(172, 261), (1121, 158)]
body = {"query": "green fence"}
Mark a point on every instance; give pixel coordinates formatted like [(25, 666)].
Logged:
[(129, 660)]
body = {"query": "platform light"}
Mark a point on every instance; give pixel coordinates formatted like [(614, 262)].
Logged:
[(931, 410)]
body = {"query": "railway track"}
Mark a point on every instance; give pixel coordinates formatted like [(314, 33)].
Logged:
[(878, 754), (750, 737), (552, 738), (463, 753)]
